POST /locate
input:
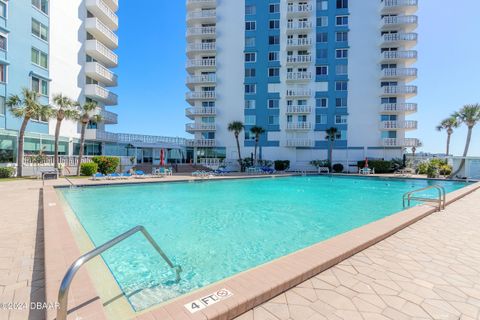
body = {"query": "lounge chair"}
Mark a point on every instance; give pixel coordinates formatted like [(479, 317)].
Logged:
[(267, 170), (113, 176), (125, 175), (139, 174), (98, 176)]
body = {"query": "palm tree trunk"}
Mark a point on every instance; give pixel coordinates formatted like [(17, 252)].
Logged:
[(21, 140), (80, 152), (57, 136), (239, 155), (330, 154), (255, 151), (448, 143), (465, 153)]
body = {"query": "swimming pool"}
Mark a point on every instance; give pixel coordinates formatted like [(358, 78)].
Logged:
[(216, 229)]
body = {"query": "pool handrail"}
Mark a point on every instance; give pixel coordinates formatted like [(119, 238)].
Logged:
[(441, 200), (77, 264)]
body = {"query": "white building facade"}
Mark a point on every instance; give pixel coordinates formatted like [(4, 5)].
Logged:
[(297, 68)]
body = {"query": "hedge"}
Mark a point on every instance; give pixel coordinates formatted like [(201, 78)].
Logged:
[(338, 168), (380, 166), (106, 165), (6, 172), (282, 165), (88, 168)]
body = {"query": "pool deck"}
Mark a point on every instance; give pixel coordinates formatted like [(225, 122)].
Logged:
[(429, 270)]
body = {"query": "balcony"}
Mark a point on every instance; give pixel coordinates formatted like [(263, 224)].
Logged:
[(109, 117), (299, 43), (200, 111), (395, 125), (101, 53), (98, 72), (99, 135), (207, 79), (299, 76), (396, 108), (98, 93), (299, 10), (195, 64), (406, 23), (299, 126), (403, 143), (101, 32), (201, 143), (299, 109), (405, 74), (407, 57), (404, 91), (407, 40), (195, 127), (299, 93), (300, 143), (103, 12), (200, 95), (299, 59), (197, 47), (299, 26), (197, 4), (399, 6), (202, 16), (202, 32), (112, 4)]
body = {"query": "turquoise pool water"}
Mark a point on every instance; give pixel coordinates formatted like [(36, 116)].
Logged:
[(215, 229)]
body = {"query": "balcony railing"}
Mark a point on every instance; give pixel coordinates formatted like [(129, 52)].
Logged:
[(299, 76), (101, 32), (101, 94), (109, 117), (299, 42), (407, 142), (400, 90), (299, 9), (101, 53), (201, 47), (201, 95), (200, 127), (398, 21), (399, 73), (406, 38), (299, 26), (201, 143), (301, 143), (201, 3), (299, 109), (201, 111), (399, 6), (202, 79), (202, 15), (201, 31), (201, 63), (400, 55), (299, 126), (399, 108), (293, 93), (299, 59), (392, 125), (98, 72), (103, 12)]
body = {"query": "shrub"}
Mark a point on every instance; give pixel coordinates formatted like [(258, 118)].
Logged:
[(106, 165), (88, 168), (282, 165), (380, 166), (338, 168), (435, 167), (423, 168), (320, 163), (6, 172)]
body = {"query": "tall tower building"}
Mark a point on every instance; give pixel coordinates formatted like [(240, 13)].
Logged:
[(297, 68)]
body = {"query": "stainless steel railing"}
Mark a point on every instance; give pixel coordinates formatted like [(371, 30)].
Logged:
[(440, 200), (77, 264)]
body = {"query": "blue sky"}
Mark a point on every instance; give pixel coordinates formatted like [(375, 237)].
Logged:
[(152, 73)]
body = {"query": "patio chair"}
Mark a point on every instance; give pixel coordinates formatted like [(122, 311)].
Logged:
[(98, 176)]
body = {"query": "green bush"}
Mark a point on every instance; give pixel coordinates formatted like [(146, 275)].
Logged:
[(320, 163), (435, 167), (423, 168), (88, 168), (282, 165), (380, 166), (106, 165), (6, 172), (338, 168)]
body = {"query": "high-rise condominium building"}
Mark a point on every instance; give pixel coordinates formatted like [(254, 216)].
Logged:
[(297, 68)]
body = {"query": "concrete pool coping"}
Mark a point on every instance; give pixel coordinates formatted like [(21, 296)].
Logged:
[(250, 288)]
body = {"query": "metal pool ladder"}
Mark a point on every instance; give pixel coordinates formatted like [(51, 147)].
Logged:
[(440, 200), (77, 264)]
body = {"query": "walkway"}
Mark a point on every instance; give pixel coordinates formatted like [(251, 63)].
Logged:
[(430, 270)]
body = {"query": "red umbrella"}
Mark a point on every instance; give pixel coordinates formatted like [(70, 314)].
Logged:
[(162, 157), (366, 162)]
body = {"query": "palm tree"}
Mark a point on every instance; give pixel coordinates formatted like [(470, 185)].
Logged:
[(332, 135), (85, 117), (469, 115), (28, 107), (448, 124), (257, 131), (236, 127), (64, 110)]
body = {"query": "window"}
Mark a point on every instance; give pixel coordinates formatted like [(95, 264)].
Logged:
[(273, 103), (342, 4), (249, 135), (321, 103), (250, 9), (250, 57), (272, 40), (273, 56), (341, 69), (273, 120), (341, 85), (322, 37), (321, 119), (250, 104), (208, 135), (39, 58), (322, 53), (341, 53), (3, 42), (322, 21), (274, 8), (41, 5), (341, 20), (274, 24), (2, 106), (3, 73), (250, 25), (250, 73), (40, 86), (341, 36), (343, 135), (273, 72), (340, 119), (322, 5), (250, 42), (3, 9), (341, 102), (250, 120), (389, 134), (250, 88), (39, 30), (322, 70)]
